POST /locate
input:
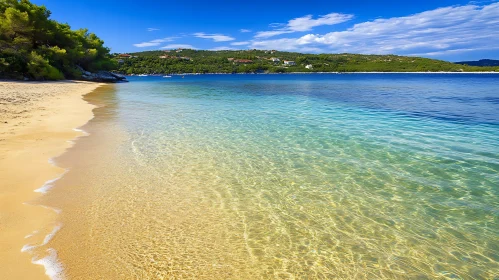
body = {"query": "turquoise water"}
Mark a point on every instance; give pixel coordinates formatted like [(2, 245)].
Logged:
[(360, 176)]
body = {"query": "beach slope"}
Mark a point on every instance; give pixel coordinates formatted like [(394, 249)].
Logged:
[(37, 120)]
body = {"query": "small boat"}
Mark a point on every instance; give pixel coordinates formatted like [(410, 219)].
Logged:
[(142, 75), (166, 76)]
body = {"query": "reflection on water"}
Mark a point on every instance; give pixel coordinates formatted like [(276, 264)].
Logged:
[(286, 178)]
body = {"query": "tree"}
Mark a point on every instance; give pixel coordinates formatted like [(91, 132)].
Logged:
[(36, 47)]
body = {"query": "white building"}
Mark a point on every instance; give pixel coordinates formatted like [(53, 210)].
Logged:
[(309, 66), (275, 59), (289, 63)]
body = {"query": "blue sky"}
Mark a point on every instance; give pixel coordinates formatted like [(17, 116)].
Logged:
[(449, 30)]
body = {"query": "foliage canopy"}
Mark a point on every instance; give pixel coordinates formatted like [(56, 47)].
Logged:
[(35, 47)]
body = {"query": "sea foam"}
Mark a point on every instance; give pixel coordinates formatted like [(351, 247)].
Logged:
[(82, 131), (50, 183), (53, 268), (46, 240), (31, 234)]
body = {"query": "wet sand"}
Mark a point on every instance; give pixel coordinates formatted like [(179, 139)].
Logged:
[(37, 121), (111, 227)]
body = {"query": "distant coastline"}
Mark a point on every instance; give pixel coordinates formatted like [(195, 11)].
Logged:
[(310, 73), (181, 61)]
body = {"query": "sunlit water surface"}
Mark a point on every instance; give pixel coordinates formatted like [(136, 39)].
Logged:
[(285, 177)]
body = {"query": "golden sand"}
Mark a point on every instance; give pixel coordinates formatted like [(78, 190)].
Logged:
[(112, 228), (36, 121)]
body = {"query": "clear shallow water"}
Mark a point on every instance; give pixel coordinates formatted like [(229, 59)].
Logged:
[(287, 177)]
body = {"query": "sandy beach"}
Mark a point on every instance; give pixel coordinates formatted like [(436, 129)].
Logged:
[(37, 122)]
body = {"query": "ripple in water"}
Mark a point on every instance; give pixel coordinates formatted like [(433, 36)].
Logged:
[(285, 177)]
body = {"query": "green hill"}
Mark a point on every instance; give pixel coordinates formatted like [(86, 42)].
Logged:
[(481, 63), (260, 61)]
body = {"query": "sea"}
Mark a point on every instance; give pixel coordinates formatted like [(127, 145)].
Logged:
[(290, 176)]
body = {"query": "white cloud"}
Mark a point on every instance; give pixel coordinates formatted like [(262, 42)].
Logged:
[(240, 43), (305, 23), (283, 44), (244, 30), (179, 46), (152, 29), (454, 51), (435, 32), (214, 37), (276, 25), (146, 44), (268, 34), (155, 42)]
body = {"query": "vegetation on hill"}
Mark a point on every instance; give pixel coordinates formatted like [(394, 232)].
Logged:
[(201, 61), (481, 62), (32, 46)]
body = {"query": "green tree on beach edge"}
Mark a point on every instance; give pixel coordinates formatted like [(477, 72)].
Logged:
[(35, 47)]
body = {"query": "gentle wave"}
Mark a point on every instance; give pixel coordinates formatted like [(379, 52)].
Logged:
[(50, 183), (46, 240), (53, 268)]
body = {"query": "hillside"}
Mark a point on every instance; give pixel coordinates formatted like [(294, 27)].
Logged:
[(481, 63), (260, 61)]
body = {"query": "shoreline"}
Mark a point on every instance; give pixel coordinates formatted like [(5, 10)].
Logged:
[(38, 122), (290, 73)]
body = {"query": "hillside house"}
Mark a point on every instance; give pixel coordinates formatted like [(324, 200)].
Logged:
[(289, 63), (275, 59), (243, 61), (309, 67)]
